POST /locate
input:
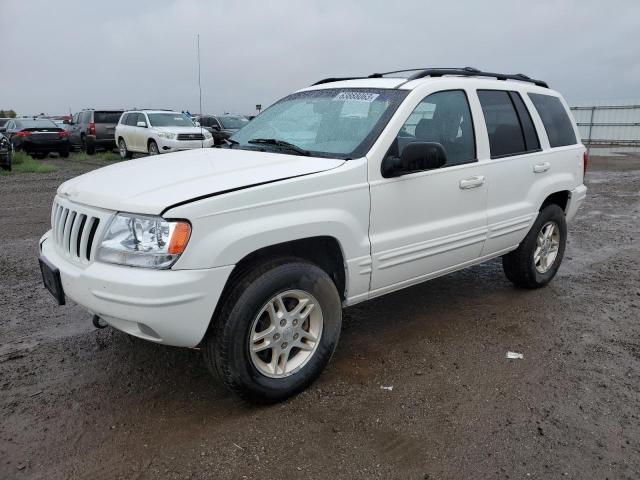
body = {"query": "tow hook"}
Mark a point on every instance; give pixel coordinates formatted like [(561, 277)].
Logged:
[(98, 322)]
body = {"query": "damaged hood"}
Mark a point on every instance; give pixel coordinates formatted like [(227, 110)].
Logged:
[(151, 184)]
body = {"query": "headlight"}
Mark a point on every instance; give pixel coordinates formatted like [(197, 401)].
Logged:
[(167, 135), (207, 134), (144, 241)]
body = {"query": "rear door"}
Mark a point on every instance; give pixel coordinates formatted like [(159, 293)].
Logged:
[(425, 223), (516, 166)]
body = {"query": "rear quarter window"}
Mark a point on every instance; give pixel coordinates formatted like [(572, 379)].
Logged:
[(555, 119)]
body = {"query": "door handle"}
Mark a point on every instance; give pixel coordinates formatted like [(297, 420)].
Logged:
[(471, 182), (541, 167)]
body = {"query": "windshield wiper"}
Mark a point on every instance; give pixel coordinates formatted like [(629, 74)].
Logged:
[(281, 143)]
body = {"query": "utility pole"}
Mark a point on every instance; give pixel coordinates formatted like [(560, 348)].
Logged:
[(199, 81)]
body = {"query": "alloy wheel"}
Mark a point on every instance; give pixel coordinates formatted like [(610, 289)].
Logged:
[(286, 333)]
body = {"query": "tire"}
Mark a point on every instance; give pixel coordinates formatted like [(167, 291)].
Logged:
[(64, 153), (40, 156), (125, 154), (153, 148), (90, 147), (523, 266), (226, 347), (83, 144)]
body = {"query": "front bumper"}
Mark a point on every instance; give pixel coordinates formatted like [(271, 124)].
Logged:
[(173, 307), (166, 145), (576, 198)]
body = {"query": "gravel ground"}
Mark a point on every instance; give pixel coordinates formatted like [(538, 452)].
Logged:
[(76, 402)]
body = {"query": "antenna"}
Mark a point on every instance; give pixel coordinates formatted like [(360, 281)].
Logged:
[(199, 82), (200, 91)]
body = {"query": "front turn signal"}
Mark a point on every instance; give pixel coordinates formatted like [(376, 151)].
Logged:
[(179, 238)]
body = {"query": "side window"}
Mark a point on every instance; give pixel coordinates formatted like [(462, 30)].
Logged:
[(86, 117), (555, 120), (444, 118), (142, 118), (528, 129), (123, 119), (509, 125)]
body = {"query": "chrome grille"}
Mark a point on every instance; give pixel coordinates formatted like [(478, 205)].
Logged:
[(74, 231), (190, 136)]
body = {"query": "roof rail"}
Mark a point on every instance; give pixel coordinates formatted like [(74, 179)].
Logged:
[(336, 79), (439, 72), (474, 72)]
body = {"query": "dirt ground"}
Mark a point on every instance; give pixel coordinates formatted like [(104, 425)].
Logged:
[(76, 402)]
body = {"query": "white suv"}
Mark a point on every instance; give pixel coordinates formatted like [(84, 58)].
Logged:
[(159, 131), (338, 193)]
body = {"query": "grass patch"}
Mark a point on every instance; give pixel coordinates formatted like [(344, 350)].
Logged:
[(23, 163), (99, 156)]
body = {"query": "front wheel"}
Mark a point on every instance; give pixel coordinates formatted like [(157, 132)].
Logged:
[(153, 148), (538, 257), (276, 330)]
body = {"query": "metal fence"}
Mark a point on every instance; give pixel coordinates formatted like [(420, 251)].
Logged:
[(609, 123)]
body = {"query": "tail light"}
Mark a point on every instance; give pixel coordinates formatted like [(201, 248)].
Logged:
[(92, 128), (63, 134), (585, 162), (23, 134)]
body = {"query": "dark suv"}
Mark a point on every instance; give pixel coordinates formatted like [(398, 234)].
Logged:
[(222, 126), (94, 129)]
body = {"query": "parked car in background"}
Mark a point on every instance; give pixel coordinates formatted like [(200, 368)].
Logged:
[(38, 137), (222, 126), (158, 131), (92, 130), (64, 124), (3, 124), (338, 193), (6, 152)]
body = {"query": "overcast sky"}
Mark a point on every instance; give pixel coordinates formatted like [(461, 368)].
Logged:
[(61, 55)]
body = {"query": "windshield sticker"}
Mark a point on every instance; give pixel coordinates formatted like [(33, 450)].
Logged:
[(356, 96)]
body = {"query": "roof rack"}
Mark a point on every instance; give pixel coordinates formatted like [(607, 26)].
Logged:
[(439, 72)]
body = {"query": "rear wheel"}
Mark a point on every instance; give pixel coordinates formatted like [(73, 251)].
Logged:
[(537, 260), (153, 148), (64, 153), (90, 147), (122, 149), (275, 331)]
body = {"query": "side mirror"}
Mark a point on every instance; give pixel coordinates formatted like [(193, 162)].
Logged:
[(216, 127), (197, 124), (415, 157), (141, 124)]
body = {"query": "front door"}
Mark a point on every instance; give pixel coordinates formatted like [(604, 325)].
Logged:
[(425, 223)]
